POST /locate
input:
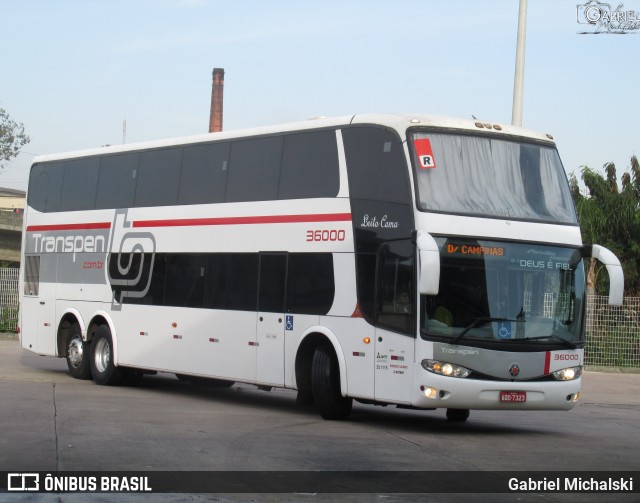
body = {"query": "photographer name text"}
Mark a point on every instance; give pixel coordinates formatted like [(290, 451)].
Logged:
[(572, 484)]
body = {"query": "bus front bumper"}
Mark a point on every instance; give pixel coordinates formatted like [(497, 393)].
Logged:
[(432, 391)]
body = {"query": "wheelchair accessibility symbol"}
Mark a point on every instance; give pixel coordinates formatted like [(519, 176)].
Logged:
[(288, 322), (504, 332)]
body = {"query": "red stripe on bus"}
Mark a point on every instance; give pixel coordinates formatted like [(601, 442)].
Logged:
[(69, 227), (268, 219), (547, 362)]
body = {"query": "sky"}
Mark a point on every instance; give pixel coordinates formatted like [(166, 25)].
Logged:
[(74, 71)]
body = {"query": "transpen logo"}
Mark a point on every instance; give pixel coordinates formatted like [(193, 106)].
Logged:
[(130, 265), (460, 352), (69, 244)]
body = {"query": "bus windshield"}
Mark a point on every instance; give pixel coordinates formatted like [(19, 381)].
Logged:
[(506, 292), (490, 177)]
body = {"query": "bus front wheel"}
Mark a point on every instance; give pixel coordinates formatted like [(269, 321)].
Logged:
[(457, 415), (325, 385), (103, 369), (78, 357)]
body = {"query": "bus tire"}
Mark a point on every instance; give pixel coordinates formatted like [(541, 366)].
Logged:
[(325, 385), (103, 370), (78, 353), (457, 415)]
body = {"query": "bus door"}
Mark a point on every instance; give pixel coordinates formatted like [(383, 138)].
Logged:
[(395, 322), (270, 321)]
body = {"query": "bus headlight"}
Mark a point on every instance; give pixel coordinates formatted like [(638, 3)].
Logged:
[(568, 374), (445, 369)]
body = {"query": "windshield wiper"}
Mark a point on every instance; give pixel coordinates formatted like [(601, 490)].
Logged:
[(478, 322), (564, 341)]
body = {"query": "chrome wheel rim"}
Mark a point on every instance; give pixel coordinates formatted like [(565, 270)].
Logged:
[(75, 352), (102, 355)]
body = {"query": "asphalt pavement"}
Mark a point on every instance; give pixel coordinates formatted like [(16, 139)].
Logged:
[(52, 422)]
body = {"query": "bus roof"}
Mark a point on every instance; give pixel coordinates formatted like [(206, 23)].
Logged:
[(400, 122)]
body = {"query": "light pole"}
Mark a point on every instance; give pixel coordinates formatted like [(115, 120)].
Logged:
[(518, 81)]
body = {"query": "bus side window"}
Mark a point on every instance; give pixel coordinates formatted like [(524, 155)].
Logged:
[(203, 178), (232, 281), (32, 275), (310, 283), (379, 190), (159, 177), (254, 169), (185, 280), (395, 293), (80, 184), (45, 186), (376, 164), (117, 181), (309, 166)]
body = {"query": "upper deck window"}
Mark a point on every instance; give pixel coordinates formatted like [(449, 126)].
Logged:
[(295, 165), (490, 177), (377, 165)]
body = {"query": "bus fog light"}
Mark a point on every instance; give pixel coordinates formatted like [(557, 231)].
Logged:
[(445, 369), (429, 392), (568, 374)]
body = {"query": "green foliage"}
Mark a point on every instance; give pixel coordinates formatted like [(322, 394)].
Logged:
[(12, 137), (8, 318), (610, 216)]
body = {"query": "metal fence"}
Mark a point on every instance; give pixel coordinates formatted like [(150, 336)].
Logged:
[(613, 333), (8, 299)]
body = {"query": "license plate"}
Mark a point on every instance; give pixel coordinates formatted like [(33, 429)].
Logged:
[(513, 396)]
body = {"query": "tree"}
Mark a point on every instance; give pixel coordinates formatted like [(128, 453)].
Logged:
[(610, 216), (12, 137)]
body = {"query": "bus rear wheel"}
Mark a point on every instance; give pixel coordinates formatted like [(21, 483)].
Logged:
[(325, 385), (103, 369), (78, 357)]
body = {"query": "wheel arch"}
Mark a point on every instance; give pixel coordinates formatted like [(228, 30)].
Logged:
[(310, 340)]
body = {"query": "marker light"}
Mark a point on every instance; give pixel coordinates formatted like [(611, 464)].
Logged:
[(445, 369), (367, 340), (568, 374)]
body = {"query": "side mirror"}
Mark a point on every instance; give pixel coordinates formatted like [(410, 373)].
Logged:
[(611, 262), (428, 264)]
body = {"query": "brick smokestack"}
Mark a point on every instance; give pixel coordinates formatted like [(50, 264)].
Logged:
[(217, 94)]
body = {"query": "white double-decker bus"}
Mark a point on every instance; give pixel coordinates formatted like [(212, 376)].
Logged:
[(410, 260)]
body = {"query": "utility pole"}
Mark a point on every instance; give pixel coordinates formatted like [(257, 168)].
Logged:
[(518, 81)]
